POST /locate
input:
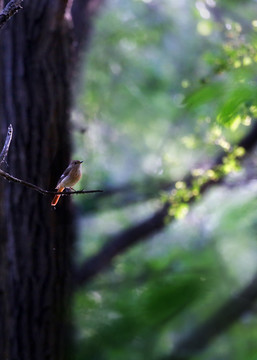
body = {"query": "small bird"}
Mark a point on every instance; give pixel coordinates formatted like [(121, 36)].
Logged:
[(69, 178)]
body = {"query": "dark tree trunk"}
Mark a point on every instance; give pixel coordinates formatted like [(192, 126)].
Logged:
[(36, 64)]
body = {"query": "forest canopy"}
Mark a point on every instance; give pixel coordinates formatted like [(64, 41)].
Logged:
[(167, 95)]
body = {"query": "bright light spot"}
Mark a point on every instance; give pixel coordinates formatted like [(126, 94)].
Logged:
[(180, 185), (95, 296), (185, 83), (254, 23), (211, 174), (204, 28), (147, 1), (189, 141), (253, 110), (247, 121), (238, 27), (223, 143), (239, 152), (237, 64), (211, 3), (115, 68), (204, 13), (228, 26), (235, 123), (127, 44), (197, 172), (182, 211), (216, 131), (247, 60)]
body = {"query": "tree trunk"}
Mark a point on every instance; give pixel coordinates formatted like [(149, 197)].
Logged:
[(36, 62)]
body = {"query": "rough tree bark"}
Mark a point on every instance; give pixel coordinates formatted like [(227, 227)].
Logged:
[(37, 55)]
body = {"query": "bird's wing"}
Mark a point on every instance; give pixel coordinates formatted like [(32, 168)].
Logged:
[(66, 172)]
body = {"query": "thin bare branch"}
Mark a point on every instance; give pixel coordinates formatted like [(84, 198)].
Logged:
[(8, 140), (9, 10), (9, 177)]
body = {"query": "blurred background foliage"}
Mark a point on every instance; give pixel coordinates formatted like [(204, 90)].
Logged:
[(167, 86)]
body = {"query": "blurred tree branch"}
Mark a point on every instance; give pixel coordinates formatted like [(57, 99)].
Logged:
[(9, 10), (200, 336), (220, 13), (128, 193), (117, 244)]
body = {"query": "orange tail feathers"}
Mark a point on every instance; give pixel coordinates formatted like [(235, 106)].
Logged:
[(57, 197)]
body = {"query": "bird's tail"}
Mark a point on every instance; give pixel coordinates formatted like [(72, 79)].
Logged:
[(57, 197)]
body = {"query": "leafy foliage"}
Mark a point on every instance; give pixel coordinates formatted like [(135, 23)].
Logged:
[(168, 86), (134, 316)]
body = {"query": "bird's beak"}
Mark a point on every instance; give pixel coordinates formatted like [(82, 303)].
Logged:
[(81, 162)]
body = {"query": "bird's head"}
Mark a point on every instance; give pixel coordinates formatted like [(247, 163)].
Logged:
[(76, 162)]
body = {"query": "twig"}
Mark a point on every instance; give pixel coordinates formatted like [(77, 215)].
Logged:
[(40, 190), (9, 177), (6, 144), (10, 9)]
